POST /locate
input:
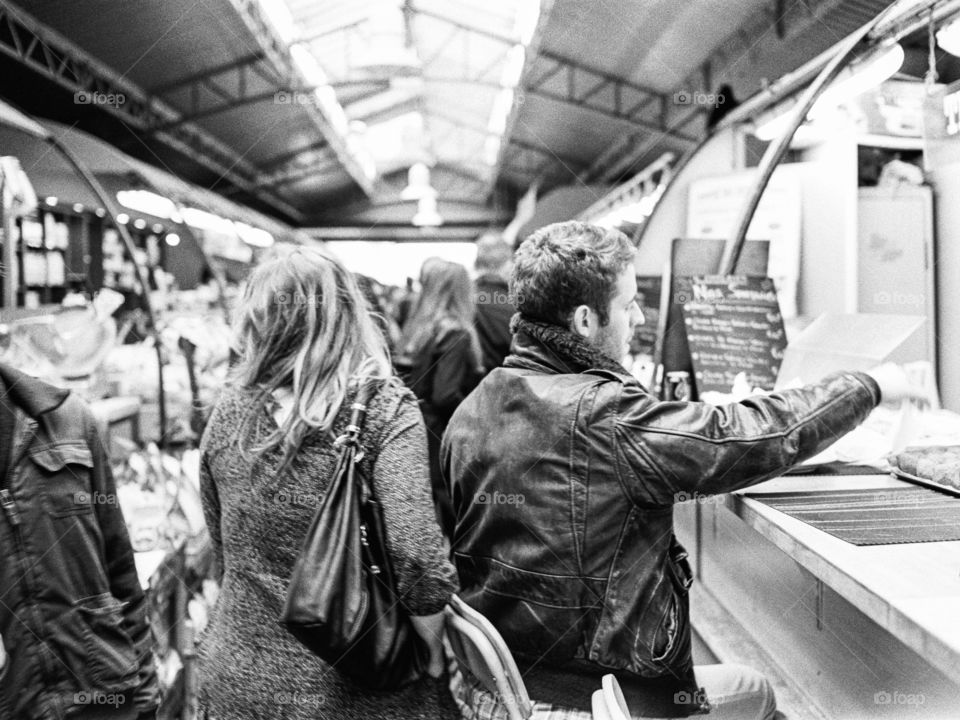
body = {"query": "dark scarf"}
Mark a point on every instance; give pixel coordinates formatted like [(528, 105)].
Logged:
[(571, 349)]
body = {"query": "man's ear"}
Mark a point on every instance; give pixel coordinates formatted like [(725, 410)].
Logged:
[(582, 321)]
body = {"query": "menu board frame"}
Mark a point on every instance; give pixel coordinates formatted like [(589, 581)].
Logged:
[(733, 324)]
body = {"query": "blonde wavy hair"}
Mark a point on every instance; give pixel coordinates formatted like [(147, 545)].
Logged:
[(303, 325)]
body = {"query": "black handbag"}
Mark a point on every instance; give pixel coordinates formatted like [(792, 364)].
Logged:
[(342, 600)]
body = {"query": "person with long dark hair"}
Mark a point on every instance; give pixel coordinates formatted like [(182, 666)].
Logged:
[(306, 343), (441, 359)]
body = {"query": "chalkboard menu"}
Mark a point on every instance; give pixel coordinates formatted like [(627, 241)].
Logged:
[(733, 324), (648, 298)]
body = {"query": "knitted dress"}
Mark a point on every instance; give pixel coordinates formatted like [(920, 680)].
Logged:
[(250, 666)]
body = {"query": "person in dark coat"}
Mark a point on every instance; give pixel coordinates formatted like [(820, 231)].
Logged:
[(495, 307), (73, 616), (440, 359)]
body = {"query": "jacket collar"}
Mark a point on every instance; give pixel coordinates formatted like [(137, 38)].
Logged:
[(33, 396), (553, 349)]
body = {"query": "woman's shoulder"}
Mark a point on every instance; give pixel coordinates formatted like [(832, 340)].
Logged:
[(390, 396), (392, 402), (231, 405)]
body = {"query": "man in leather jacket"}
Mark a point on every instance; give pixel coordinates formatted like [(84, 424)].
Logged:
[(564, 471), (73, 617)]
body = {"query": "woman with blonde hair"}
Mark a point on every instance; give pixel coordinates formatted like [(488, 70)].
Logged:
[(306, 342), (441, 360)]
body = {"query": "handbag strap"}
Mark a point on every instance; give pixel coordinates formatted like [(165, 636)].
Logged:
[(350, 439)]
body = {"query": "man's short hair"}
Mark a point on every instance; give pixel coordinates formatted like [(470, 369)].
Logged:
[(492, 253), (565, 265)]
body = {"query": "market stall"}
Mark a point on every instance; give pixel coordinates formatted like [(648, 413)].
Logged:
[(90, 244)]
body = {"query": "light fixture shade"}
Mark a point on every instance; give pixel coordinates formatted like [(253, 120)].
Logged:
[(418, 183), (427, 215), (948, 38), (860, 77), (852, 81)]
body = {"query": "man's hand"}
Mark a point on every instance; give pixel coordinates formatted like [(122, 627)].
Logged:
[(895, 386)]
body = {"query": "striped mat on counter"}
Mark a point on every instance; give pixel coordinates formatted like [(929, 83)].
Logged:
[(873, 517)]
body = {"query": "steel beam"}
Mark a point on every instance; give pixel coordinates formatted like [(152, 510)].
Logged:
[(250, 61), (577, 75), (793, 21), (522, 144), (53, 56), (401, 106), (281, 161), (227, 105), (582, 87), (295, 173), (404, 233), (278, 54)]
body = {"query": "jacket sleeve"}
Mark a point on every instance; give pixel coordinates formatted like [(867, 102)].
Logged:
[(668, 448), (122, 573), (455, 374), (401, 479)]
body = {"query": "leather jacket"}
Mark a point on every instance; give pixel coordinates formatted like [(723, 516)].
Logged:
[(563, 485), (73, 616)]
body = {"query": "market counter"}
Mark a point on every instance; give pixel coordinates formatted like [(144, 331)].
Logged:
[(871, 631)]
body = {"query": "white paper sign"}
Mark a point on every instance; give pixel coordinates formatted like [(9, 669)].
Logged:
[(714, 208)]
